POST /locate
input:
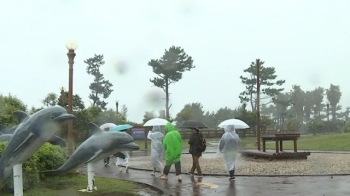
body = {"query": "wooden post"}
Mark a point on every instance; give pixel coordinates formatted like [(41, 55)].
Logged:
[(258, 102), (281, 145), (277, 146), (264, 145), (295, 146)]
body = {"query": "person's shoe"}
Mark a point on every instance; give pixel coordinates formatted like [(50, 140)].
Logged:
[(105, 164), (165, 177), (232, 178), (179, 178), (153, 174)]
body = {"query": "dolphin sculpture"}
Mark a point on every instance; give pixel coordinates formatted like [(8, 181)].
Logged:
[(30, 135), (98, 146), (5, 137), (8, 131)]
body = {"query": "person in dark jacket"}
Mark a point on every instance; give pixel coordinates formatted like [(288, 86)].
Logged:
[(106, 160), (194, 142)]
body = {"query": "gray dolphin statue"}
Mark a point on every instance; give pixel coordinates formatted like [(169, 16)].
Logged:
[(30, 135), (8, 131), (99, 145), (5, 137)]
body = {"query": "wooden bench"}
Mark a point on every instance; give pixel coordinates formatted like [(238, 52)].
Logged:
[(279, 138)]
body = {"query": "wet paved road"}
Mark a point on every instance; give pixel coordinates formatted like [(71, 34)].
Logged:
[(242, 186)]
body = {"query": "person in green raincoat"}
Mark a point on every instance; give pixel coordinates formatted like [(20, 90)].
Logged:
[(172, 144)]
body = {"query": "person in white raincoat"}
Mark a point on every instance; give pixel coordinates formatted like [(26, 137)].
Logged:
[(229, 147), (156, 137), (123, 162)]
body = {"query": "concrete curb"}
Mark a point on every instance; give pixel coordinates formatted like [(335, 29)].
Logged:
[(227, 175), (311, 151)]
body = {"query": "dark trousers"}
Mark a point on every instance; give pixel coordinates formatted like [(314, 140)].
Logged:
[(195, 165), (106, 160), (177, 169)]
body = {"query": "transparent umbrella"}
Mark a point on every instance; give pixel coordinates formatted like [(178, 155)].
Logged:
[(156, 122), (236, 122), (107, 126)]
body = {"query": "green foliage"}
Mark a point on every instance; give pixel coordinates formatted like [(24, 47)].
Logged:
[(100, 87), (191, 111), (345, 129), (169, 69), (293, 124), (185, 114), (50, 100), (67, 185), (265, 122), (267, 83), (148, 116), (333, 96), (33, 110), (30, 172), (223, 114), (314, 126), (83, 117), (48, 157), (9, 104)]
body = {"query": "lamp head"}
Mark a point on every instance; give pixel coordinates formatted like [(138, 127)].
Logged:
[(71, 44)]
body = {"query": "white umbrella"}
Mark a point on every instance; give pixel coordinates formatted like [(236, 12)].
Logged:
[(107, 126), (156, 122), (237, 123)]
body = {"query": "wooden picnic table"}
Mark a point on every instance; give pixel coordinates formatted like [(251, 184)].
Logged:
[(279, 138)]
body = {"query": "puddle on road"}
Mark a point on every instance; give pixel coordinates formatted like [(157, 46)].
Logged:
[(147, 193)]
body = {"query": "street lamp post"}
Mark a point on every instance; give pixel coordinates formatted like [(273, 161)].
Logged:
[(71, 46), (116, 109)]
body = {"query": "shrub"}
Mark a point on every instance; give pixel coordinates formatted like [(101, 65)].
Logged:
[(294, 124), (30, 173), (48, 157)]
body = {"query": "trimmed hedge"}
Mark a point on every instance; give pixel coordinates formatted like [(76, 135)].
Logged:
[(48, 157)]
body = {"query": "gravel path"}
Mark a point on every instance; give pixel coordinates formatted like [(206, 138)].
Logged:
[(213, 164)]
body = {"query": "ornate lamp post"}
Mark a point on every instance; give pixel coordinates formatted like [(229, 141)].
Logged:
[(71, 46)]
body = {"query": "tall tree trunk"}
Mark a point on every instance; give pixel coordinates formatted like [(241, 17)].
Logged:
[(167, 99), (251, 102), (333, 113)]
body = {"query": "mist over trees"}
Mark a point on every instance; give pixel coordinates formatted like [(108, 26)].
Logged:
[(304, 110)]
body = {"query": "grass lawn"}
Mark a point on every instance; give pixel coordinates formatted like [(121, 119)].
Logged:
[(70, 184), (336, 142)]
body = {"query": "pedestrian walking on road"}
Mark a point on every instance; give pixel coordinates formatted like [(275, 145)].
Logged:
[(156, 137), (172, 143), (196, 149), (228, 145)]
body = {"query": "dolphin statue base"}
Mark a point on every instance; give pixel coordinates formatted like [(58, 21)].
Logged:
[(91, 177), (18, 180)]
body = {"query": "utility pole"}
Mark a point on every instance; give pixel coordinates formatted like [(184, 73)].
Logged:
[(258, 102), (327, 118)]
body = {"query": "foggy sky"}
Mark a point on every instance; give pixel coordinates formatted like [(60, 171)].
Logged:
[(306, 41)]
